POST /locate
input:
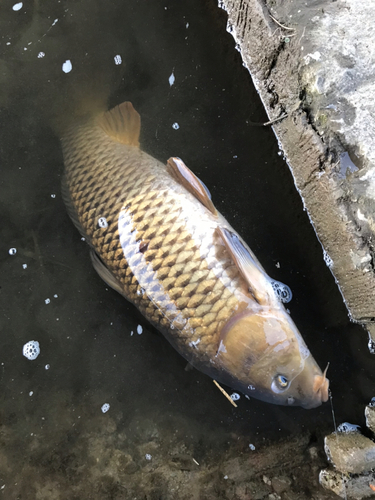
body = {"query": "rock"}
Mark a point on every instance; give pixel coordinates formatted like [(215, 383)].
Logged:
[(347, 486), (370, 417), (280, 484), (350, 452)]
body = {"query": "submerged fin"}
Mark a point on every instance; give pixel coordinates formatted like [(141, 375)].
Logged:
[(70, 208), (248, 267), (122, 123), (191, 182), (105, 273)]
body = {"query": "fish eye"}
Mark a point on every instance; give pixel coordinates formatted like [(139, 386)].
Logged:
[(280, 383)]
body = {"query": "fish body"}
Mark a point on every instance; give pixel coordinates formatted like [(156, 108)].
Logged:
[(157, 239)]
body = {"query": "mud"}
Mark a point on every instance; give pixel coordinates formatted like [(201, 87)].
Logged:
[(279, 43)]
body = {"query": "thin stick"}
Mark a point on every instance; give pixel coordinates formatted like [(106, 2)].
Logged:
[(282, 26), (275, 120), (225, 394)]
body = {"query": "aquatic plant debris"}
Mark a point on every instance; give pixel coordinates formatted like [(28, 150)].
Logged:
[(67, 66), (31, 350), (17, 6), (105, 407), (225, 393)]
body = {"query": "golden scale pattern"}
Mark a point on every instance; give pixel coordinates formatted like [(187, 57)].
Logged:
[(187, 294)]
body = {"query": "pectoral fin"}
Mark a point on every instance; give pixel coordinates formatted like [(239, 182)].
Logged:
[(105, 273), (256, 278), (122, 123), (191, 182)]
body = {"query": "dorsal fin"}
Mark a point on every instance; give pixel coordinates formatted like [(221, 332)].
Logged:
[(191, 182), (257, 279), (122, 123)]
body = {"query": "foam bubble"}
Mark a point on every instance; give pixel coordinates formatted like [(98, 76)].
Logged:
[(105, 407), (67, 66), (12, 251), (235, 396), (139, 329), (176, 126), (102, 222), (31, 350), (118, 59), (17, 6), (346, 428), (252, 447), (283, 292), (148, 456)]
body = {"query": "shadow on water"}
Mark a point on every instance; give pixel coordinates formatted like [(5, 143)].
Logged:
[(51, 423)]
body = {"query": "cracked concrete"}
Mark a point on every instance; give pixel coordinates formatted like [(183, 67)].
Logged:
[(314, 62)]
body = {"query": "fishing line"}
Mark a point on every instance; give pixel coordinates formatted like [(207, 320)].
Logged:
[(335, 427)]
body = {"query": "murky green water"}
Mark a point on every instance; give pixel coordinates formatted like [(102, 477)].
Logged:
[(55, 441)]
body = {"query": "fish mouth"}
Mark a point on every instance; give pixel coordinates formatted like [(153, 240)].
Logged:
[(320, 391)]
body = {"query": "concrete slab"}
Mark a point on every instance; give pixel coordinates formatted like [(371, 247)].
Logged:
[(312, 64)]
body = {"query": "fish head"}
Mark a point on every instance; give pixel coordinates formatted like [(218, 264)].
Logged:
[(267, 358)]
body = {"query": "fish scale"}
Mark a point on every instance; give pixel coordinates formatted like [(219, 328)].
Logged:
[(186, 296)]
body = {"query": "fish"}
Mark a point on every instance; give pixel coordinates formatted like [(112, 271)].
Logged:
[(157, 238)]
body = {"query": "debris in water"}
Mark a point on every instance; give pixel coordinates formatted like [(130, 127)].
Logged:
[(41, 55), (17, 6), (176, 126), (148, 456), (31, 350), (235, 396), (252, 447), (47, 367), (12, 251), (139, 329), (225, 393), (24, 266), (171, 79)]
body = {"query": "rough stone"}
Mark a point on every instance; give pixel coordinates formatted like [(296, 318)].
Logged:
[(350, 452), (311, 62), (347, 486), (280, 484), (370, 417)]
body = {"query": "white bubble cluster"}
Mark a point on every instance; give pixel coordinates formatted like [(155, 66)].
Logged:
[(31, 350), (235, 396), (102, 222), (345, 427), (105, 407), (148, 456), (47, 301), (12, 251), (252, 447), (282, 291), (118, 59), (176, 126), (327, 259), (41, 55)]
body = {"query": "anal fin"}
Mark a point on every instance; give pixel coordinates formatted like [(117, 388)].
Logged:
[(105, 273), (191, 182)]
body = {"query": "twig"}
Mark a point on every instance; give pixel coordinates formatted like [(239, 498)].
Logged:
[(225, 394), (282, 26), (275, 120)]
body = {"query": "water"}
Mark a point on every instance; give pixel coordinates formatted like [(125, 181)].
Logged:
[(56, 441)]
